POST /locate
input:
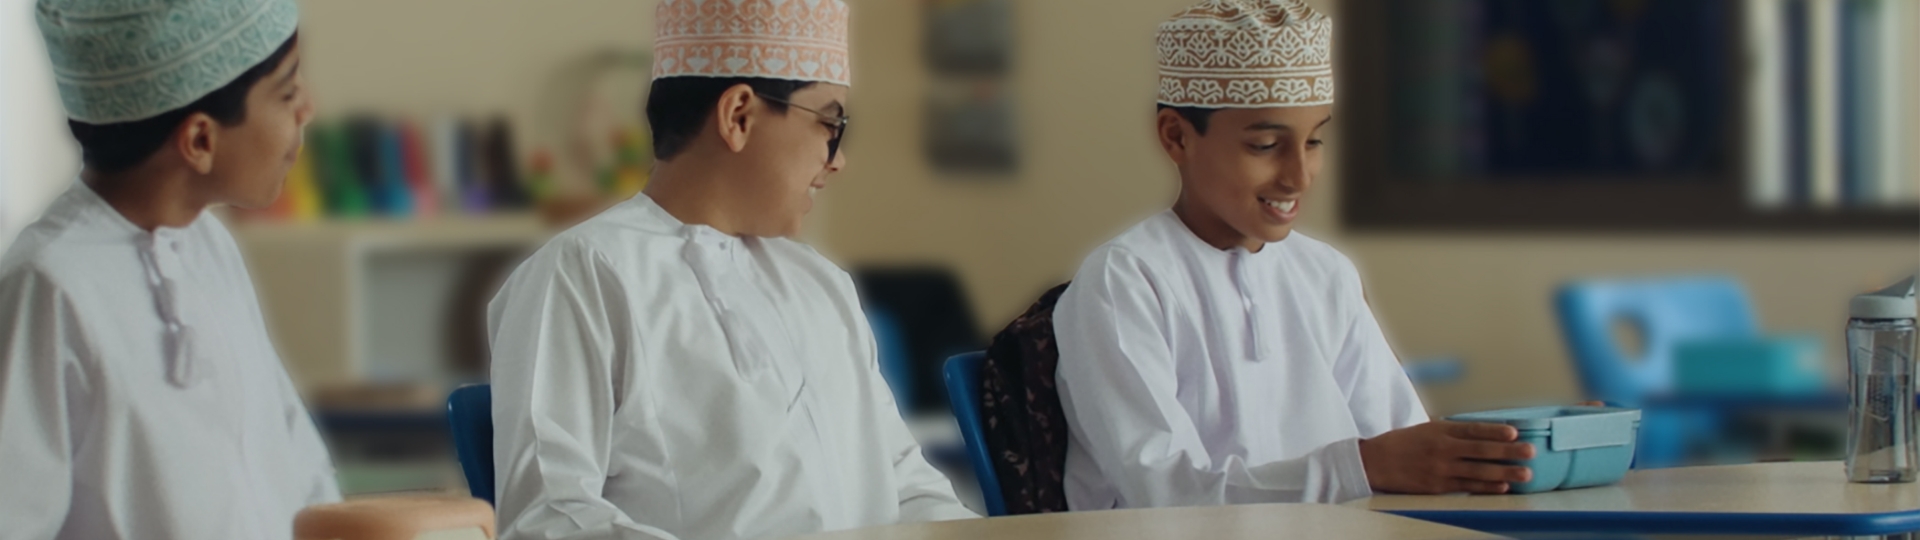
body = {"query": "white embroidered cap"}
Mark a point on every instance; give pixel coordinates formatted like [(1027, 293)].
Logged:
[(1246, 54), (799, 40)]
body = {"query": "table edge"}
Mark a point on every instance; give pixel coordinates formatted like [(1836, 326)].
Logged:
[(1558, 521)]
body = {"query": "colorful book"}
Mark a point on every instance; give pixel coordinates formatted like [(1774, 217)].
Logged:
[(396, 193), (444, 148), (302, 193), (416, 163)]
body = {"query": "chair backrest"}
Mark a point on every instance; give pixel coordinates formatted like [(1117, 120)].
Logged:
[(930, 306), (895, 366), (470, 417), (962, 375), (1664, 311)]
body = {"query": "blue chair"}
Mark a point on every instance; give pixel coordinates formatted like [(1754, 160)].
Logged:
[(890, 342), (962, 375), (470, 415), (1666, 312)]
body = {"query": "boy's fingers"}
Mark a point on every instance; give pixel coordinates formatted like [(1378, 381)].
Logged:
[(1487, 472), (1479, 487), (1499, 451), (1485, 432)]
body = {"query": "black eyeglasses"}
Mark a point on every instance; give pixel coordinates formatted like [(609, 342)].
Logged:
[(838, 123)]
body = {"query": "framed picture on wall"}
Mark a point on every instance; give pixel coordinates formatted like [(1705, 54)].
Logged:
[(969, 36), (970, 110), (970, 126)]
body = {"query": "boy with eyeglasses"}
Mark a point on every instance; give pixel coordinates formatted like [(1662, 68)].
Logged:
[(676, 367)]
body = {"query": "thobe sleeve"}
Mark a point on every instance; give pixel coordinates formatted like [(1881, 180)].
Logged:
[(314, 471), (1378, 391), (554, 345), (318, 475), (925, 493), (43, 395), (1119, 387)]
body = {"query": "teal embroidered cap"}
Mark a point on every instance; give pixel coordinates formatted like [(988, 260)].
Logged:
[(126, 60)]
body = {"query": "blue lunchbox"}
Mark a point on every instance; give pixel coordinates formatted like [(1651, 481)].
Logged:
[(1574, 447)]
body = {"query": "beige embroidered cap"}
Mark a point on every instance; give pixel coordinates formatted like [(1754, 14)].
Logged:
[(801, 40), (1246, 54)]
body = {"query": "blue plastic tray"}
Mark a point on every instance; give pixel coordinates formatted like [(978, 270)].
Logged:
[(1574, 447)]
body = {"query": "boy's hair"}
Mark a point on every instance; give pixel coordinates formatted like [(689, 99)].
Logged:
[(678, 107), (117, 147), (1194, 115)]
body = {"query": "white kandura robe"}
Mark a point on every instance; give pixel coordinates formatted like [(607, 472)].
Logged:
[(653, 379), (1194, 376), (139, 394)]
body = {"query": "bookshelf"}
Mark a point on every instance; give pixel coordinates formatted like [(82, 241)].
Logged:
[(374, 300)]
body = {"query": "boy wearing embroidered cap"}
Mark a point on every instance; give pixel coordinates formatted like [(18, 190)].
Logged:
[(140, 396), (675, 367), (1213, 355)]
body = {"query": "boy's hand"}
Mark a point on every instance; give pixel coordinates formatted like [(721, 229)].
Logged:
[(1440, 457)]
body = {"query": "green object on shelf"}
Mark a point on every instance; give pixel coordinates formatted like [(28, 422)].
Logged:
[(339, 181)]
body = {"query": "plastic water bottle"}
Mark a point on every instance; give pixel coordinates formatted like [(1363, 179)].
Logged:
[(1881, 438)]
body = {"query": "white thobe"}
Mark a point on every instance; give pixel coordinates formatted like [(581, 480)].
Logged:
[(139, 394), (653, 379), (1195, 376)]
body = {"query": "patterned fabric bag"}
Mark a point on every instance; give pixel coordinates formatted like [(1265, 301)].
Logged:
[(1026, 432)]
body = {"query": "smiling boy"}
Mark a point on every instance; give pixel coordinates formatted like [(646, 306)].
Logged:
[(1214, 355)]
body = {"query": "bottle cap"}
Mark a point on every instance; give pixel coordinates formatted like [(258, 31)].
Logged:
[(1893, 302)]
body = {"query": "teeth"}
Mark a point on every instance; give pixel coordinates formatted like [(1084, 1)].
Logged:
[(812, 190), (1283, 206)]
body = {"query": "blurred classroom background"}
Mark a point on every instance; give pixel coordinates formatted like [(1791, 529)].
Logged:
[(1487, 154)]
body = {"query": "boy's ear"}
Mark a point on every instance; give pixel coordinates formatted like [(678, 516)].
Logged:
[(1175, 134), (733, 116), (195, 140)]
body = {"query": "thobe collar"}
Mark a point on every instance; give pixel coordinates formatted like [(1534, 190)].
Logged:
[(1194, 241), (160, 252), (723, 265), (1237, 263)]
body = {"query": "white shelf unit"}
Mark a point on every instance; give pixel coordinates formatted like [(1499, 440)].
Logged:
[(372, 301)]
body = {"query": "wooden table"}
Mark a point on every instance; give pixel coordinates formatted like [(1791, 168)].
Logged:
[(1266, 521), (1774, 499)]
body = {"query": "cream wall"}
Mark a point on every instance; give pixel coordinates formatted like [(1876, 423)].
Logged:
[(456, 56), (1086, 83)]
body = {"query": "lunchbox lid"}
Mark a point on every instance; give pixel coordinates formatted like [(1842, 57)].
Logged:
[(1567, 427)]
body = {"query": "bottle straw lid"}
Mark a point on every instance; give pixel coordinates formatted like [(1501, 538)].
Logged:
[(1893, 302)]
